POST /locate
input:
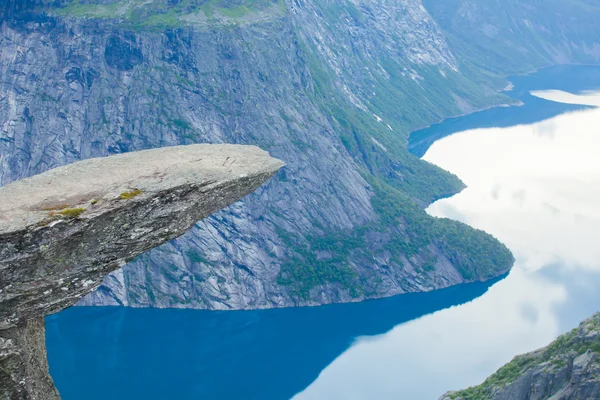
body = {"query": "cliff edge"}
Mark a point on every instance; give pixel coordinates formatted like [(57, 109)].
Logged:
[(63, 231), (569, 368)]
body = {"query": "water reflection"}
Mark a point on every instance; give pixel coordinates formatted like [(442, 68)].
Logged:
[(542, 179), (536, 188), (533, 186), (575, 79), (121, 353)]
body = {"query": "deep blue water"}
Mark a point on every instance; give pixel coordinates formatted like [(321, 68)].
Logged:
[(532, 184), (125, 353)]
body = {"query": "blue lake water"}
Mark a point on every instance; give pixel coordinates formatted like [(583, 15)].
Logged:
[(533, 179)]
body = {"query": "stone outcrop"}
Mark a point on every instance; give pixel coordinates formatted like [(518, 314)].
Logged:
[(63, 231), (569, 368)]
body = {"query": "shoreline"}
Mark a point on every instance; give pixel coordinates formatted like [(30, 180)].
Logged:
[(503, 90)]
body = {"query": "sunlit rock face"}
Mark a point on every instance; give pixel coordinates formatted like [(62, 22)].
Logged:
[(63, 231)]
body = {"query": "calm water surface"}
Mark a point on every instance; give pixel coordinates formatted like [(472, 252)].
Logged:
[(533, 181)]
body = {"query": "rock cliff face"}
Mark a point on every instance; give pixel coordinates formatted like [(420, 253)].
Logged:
[(569, 368), (79, 86), (331, 87), (63, 231)]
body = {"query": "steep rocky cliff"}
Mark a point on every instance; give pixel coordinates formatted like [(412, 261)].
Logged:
[(333, 88), (63, 231), (569, 368)]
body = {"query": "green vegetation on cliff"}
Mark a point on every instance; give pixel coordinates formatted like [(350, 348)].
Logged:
[(402, 186), (402, 100), (164, 14), (476, 254), (551, 359)]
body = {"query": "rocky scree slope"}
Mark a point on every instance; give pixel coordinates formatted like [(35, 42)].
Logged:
[(333, 88), (63, 231), (569, 368)]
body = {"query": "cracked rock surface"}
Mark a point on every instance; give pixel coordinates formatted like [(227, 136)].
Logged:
[(63, 231)]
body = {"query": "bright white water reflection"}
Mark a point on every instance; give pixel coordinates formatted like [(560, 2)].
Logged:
[(536, 188)]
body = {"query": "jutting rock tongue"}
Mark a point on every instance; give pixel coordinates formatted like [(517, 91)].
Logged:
[(63, 231)]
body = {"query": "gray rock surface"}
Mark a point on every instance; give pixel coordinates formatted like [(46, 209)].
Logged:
[(63, 231), (302, 79), (568, 369), (23, 363)]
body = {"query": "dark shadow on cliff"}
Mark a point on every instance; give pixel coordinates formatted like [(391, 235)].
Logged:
[(533, 110), (125, 353)]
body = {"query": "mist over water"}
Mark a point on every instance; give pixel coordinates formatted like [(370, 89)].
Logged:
[(534, 183)]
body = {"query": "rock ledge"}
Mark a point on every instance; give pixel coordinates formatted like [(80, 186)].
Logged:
[(63, 231)]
